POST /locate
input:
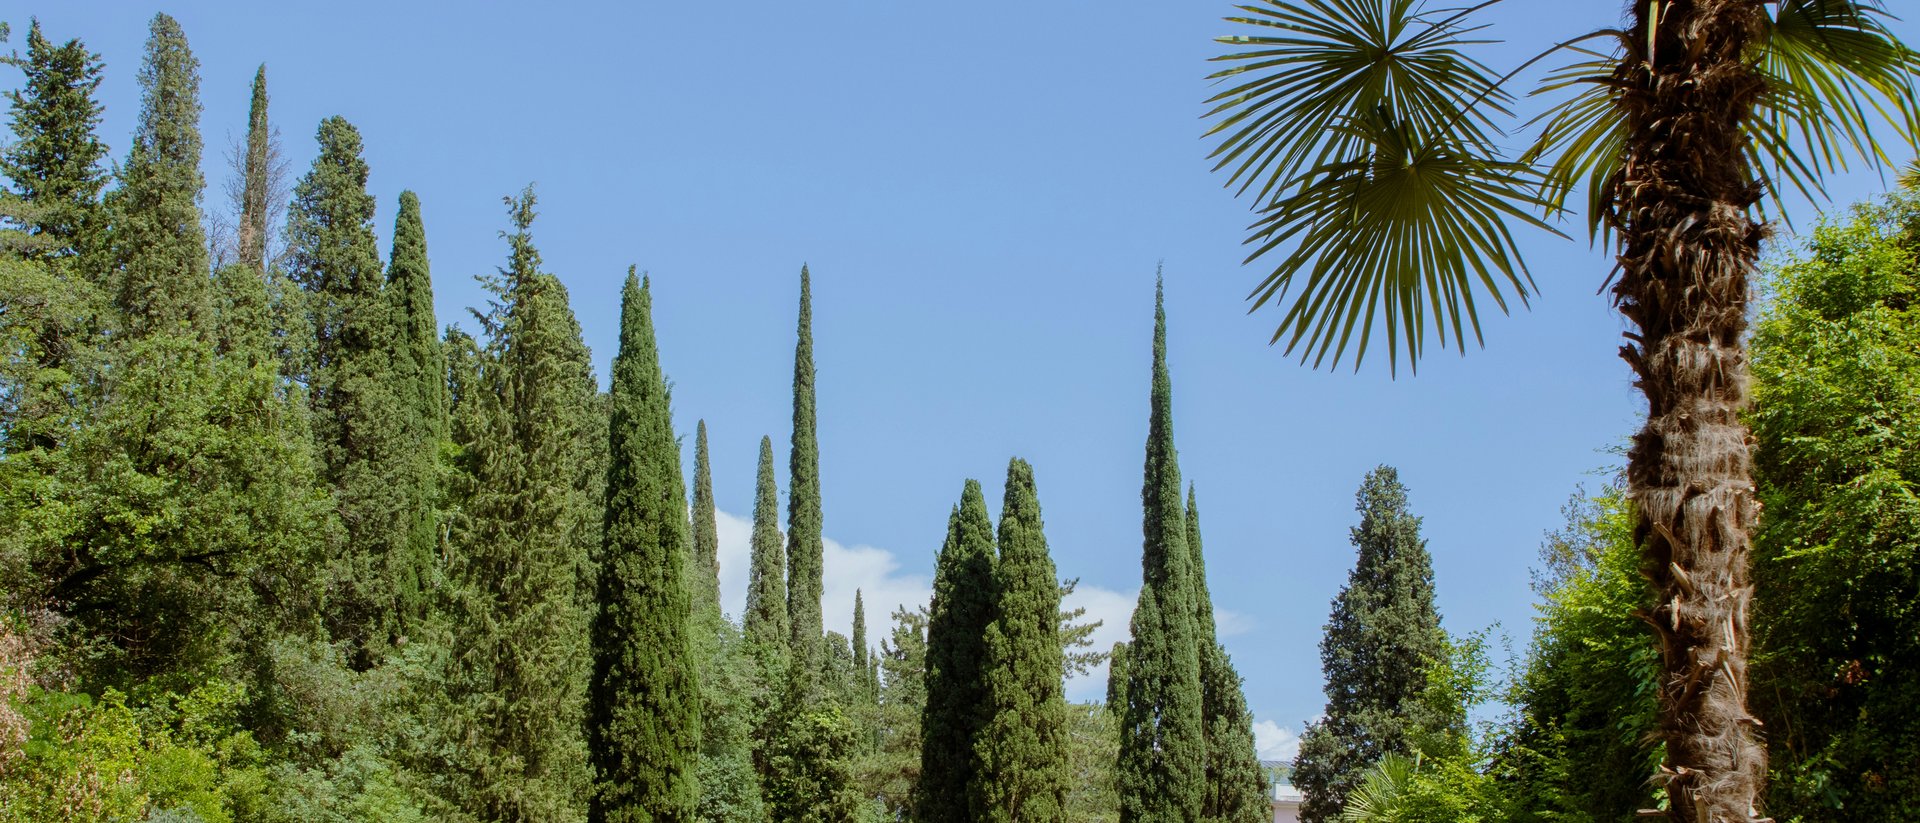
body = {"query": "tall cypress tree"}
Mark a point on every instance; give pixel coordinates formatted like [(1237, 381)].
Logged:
[(644, 725), (860, 645), (419, 380), (765, 623), (1162, 736), (706, 536), (160, 278), (54, 161), (1235, 789), (359, 422), (804, 547), (519, 661), (1381, 639), (256, 178), (1022, 745), (963, 581)]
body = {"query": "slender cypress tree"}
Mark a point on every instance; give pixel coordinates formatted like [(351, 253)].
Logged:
[(963, 581), (860, 646), (256, 178), (1235, 790), (54, 161), (419, 369), (519, 657), (1022, 746), (1162, 733), (765, 623), (1117, 678), (804, 547), (360, 424), (1383, 635), (644, 725), (159, 249), (705, 585)]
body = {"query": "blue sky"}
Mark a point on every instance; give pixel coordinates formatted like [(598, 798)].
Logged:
[(983, 193)]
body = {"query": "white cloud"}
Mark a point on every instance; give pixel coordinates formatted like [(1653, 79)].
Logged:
[(1114, 610), (1274, 741), (1229, 623)]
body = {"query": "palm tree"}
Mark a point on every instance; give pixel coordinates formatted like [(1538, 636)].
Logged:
[(1370, 138)]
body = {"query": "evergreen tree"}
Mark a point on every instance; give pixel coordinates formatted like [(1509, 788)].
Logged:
[(860, 669), (1162, 731), (256, 173), (54, 161), (804, 547), (419, 369), (159, 250), (1022, 745), (518, 663), (1117, 678), (963, 595), (765, 623), (644, 725), (359, 421), (1235, 789), (892, 770), (705, 584), (1383, 636)]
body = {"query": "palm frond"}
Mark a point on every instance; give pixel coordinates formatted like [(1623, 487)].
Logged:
[(1382, 790), (1317, 64), (1405, 233), (1371, 138)]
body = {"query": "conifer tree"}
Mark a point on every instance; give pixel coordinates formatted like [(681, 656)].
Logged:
[(256, 175), (804, 548), (859, 641), (1162, 733), (160, 278), (54, 161), (644, 723), (359, 422), (518, 659), (765, 622), (1381, 639), (705, 584), (419, 381), (1235, 789), (1117, 678), (1022, 748), (963, 595)]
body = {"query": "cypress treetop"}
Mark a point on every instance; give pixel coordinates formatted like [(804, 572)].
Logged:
[(765, 623), (54, 161), (1022, 748), (1383, 635), (643, 729), (159, 247), (859, 643), (705, 586), (804, 540), (1162, 736), (950, 722), (257, 171)]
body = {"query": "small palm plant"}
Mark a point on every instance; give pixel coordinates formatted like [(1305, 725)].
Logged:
[(1372, 143)]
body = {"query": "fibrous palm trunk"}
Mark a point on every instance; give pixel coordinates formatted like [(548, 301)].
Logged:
[(1683, 210)]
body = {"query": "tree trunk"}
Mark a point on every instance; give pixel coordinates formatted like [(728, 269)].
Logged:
[(1682, 208)]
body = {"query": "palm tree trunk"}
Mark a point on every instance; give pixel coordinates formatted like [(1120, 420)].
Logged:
[(1688, 245)]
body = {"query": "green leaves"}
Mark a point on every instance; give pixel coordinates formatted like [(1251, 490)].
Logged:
[(1371, 134), (1371, 140)]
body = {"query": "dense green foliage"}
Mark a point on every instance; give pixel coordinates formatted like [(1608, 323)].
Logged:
[(157, 248), (54, 161), (419, 372), (804, 540), (643, 727), (963, 596), (1380, 642), (360, 426), (1235, 788), (1021, 748), (704, 565), (1163, 749), (1837, 560)]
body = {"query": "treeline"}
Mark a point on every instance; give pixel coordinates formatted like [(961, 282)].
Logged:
[(1836, 663), (276, 547)]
